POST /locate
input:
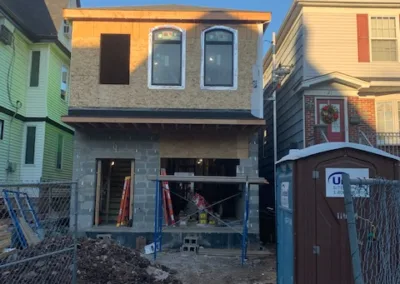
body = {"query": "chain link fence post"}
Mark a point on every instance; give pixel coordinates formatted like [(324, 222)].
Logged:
[(75, 233), (373, 211), (352, 230)]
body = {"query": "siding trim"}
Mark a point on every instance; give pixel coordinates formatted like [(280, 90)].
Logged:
[(150, 60), (35, 119), (363, 39)]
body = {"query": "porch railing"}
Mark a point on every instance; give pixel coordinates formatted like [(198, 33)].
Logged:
[(389, 142)]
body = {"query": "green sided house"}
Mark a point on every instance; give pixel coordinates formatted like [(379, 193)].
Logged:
[(34, 93)]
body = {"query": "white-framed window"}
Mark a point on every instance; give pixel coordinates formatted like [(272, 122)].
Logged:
[(1, 129), (384, 38), (34, 69), (166, 59), (60, 146), (219, 58), (64, 82), (67, 28), (388, 122)]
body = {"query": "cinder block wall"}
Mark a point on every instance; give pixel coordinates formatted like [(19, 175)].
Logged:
[(92, 145), (249, 167), (144, 149)]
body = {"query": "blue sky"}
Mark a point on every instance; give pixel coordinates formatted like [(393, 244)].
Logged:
[(278, 8)]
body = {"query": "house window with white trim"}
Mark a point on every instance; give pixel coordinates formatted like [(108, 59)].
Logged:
[(388, 122), (64, 81), (167, 58), (384, 39)]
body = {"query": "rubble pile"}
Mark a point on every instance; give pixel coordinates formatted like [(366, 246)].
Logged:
[(99, 261)]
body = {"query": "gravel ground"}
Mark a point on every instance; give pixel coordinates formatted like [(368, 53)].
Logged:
[(203, 269)]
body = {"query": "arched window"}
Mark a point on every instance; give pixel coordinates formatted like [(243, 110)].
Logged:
[(167, 66), (219, 58)]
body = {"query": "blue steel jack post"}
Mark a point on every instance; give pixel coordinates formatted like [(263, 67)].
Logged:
[(158, 220), (245, 222)]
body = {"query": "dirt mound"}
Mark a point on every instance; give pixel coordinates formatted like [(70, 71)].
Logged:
[(99, 261)]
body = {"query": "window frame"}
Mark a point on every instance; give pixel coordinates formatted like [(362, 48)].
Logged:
[(60, 137), (30, 68), (2, 125), (26, 144), (394, 100), (370, 16), (64, 67), (150, 59), (235, 59)]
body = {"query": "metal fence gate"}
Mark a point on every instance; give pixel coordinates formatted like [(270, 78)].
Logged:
[(37, 242), (373, 218)]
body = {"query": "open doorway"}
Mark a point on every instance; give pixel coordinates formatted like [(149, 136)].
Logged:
[(110, 179), (230, 210)]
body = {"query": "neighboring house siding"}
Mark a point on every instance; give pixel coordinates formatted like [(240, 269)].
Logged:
[(33, 172), (332, 39), (50, 171), (14, 151), (56, 106), (36, 96), (289, 105), (17, 77)]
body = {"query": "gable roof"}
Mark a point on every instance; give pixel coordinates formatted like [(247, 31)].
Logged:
[(39, 19)]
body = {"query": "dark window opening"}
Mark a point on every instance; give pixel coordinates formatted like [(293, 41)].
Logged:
[(35, 66), (60, 144), (30, 145), (218, 58), (1, 129), (114, 59), (231, 210), (167, 58)]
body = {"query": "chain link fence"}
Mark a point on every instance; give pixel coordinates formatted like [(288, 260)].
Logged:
[(373, 217), (37, 243)]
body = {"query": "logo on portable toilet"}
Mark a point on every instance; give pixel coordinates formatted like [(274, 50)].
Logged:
[(334, 181)]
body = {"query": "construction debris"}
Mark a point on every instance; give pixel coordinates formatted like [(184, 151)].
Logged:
[(99, 261)]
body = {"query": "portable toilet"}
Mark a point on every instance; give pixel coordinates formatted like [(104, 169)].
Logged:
[(312, 236)]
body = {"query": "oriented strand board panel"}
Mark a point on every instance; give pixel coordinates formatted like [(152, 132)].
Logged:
[(206, 144), (85, 67)]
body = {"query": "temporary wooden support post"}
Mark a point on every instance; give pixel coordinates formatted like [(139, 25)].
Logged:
[(108, 194), (131, 191), (98, 187)]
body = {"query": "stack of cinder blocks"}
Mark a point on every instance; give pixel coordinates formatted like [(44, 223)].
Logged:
[(190, 244)]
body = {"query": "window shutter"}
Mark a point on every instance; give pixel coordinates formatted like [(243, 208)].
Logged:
[(363, 38)]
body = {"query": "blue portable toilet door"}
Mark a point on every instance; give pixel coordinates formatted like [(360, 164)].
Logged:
[(285, 227)]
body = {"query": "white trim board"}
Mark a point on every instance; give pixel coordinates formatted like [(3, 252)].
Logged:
[(235, 59), (150, 59)]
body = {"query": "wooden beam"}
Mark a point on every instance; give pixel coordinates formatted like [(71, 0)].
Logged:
[(208, 179), (107, 125), (121, 126), (168, 15), (80, 119), (93, 125), (131, 195), (98, 193)]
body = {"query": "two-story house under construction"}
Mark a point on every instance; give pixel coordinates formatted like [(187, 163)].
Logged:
[(165, 87), (343, 85), (34, 62)]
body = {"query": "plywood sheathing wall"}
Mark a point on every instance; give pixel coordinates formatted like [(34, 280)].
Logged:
[(86, 61), (205, 144)]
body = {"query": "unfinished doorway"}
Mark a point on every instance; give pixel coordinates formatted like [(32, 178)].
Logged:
[(111, 175), (230, 211)]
